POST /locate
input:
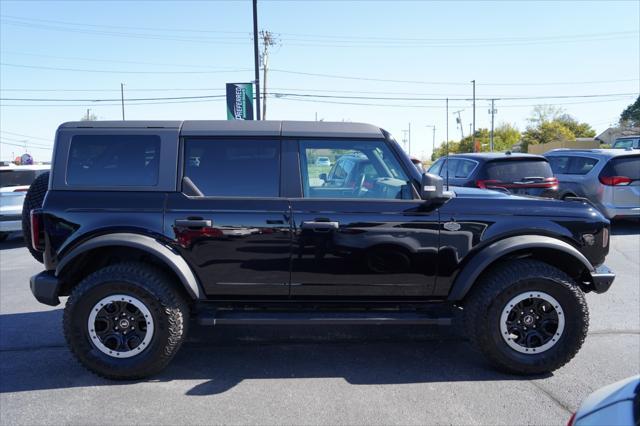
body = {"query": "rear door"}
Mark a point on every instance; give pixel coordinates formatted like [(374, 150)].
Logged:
[(371, 238), (231, 224)]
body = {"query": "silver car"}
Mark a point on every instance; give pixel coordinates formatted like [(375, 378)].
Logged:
[(14, 183), (616, 404), (609, 178)]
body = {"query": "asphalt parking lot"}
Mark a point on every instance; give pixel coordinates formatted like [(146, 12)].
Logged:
[(287, 375)]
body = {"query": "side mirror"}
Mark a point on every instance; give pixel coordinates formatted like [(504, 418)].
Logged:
[(431, 187), (323, 176)]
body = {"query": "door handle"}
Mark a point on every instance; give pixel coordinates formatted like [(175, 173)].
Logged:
[(193, 223), (320, 226)]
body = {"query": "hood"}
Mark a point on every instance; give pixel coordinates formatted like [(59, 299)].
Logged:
[(488, 201)]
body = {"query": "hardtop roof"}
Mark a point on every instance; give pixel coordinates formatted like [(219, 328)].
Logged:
[(243, 128)]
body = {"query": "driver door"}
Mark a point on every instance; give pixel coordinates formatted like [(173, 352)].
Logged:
[(366, 235)]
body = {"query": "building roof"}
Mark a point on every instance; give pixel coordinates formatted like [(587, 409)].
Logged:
[(244, 127)]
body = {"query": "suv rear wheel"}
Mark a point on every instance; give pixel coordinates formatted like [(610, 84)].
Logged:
[(526, 317), (125, 321)]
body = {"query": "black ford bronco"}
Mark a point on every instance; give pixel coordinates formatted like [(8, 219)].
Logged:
[(149, 225)]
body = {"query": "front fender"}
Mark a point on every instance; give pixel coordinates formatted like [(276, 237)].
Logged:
[(141, 242), (479, 263)]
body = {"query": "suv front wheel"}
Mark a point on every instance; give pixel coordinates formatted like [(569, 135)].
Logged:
[(526, 317), (125, 321)]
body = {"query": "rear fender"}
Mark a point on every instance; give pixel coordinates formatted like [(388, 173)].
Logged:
[(142, 242)]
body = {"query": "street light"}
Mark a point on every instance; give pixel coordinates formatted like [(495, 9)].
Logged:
[(433, 149)]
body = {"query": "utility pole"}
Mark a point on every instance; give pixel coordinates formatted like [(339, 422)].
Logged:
[(256, 57), (433, 146), (473, 133), (493, 112), (122, 98), (447, 121), (88, 114), (404, 138), (409, 139), (267, 41), (458, 121)]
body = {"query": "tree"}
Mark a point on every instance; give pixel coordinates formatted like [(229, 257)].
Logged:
[(548, 131), (551, 124), (579, 130), (630, 117), (505, 135)]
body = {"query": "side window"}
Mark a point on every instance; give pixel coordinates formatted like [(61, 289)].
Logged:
[(452, 165), (435, 167), (559, 165), (362, 169), (465, 168), (581, 165), (233, 168), (113, 160)]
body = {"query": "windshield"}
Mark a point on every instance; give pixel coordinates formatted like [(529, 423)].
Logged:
[(627, 143)]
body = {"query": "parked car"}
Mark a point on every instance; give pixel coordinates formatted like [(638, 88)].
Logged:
[(616, 404), (14, 183), (627, 142), (323, 161), (609, 178), (522, 174), (416, 162), (142, 239)]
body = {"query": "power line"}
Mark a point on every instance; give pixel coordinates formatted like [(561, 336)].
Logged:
[(4, 64), (163, 29), (23, 135), (311, 95)]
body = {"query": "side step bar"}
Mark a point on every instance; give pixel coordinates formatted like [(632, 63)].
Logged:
[(239, 317)]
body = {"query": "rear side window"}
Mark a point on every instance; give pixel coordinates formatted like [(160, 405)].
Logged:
[(516, 170), (571, 165), (623, 166), (113, 160), (234, 168)]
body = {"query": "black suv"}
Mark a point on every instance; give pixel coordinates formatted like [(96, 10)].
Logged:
[(522, 174), (146, 225)]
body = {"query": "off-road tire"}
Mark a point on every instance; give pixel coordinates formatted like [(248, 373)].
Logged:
[(149, 285), (33, 200), (483, 309)]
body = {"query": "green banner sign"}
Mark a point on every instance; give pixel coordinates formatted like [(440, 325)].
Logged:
[(239, 101)]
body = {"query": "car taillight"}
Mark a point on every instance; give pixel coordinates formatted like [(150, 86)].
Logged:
[(551, 182), (615, 180), (36, 230), (488, 183), (21, 190), (571, 420)]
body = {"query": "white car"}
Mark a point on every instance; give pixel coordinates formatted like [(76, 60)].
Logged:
[(323, 161), (14, 183)]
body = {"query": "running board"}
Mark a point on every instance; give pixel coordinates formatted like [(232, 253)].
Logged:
[(239, 317)]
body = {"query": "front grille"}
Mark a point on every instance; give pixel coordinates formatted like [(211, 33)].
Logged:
[(10, 218)]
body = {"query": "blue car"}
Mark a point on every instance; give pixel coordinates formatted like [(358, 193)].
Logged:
[(522, 174)]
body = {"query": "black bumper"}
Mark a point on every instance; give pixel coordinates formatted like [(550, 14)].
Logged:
[(44, 287), (602, 279)]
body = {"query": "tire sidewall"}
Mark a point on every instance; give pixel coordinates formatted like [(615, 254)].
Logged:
[(571, 337), (80, 340)]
